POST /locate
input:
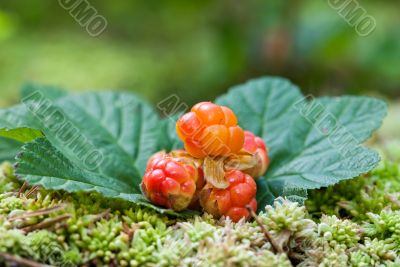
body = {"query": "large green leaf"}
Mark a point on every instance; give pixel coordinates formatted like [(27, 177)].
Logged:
[(12, 139), (9, 149), (40, 163), (20, 123), (94, 141), (305, 150), (111, 133)]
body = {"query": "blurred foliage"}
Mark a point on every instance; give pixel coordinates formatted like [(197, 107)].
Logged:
[(198, 49)]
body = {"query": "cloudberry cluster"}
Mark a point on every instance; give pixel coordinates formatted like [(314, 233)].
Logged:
[(205, 174)]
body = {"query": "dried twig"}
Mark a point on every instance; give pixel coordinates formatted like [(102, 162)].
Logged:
[(21, 261), (31, 191), (23, 187), (37, 213), (45, 224), (104, 215), (130, 231), (275, 246)]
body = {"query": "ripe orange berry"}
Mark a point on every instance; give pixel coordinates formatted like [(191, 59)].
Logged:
[(256, 146), (171, 180), (210, 130), (232, 201)]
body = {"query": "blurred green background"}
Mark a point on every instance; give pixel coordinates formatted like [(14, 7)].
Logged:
[(197, 49)]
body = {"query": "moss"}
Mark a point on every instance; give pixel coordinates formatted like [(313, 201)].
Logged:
[(41, 246), (289, 223), (8, 182), (10, 203), (13, 241), (335, 231), (361, 228), (325, 255), (385, 225), (354, 198), (373, 253)]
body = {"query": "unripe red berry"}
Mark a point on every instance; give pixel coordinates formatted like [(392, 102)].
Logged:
[(232, 201), (171, 180), (256, 146), (210, 130)]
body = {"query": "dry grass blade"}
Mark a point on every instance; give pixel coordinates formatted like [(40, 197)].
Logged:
[(46, 223), (103, 215), (21, 261), (22, 189), (31, 191), (37, 213)]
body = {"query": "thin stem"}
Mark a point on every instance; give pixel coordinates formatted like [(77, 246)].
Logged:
[(23, 187), (21, 261), (45, 224), (103, 215), (37, 213), (31, 191), (275, 246)]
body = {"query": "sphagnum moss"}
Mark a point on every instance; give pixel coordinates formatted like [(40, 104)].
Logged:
[(80, 229)]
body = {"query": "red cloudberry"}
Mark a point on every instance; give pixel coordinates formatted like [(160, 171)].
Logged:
[(210, 130), (171, 180), (232, 201), (256, 146), (181, 155)]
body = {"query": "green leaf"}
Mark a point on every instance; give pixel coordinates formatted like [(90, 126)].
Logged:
[(313, 143), (103, 142), (171, 140), (112, 133), (40, 163), (19, 124), (9, 149)]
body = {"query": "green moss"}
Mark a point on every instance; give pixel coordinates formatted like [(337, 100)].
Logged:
[(8, 181), (41, 246), (289, 223), (385, 225), (335, 231), (361, 228), (373, 253), (325, 255), (10, 203), (354, 198), (13, 241)]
